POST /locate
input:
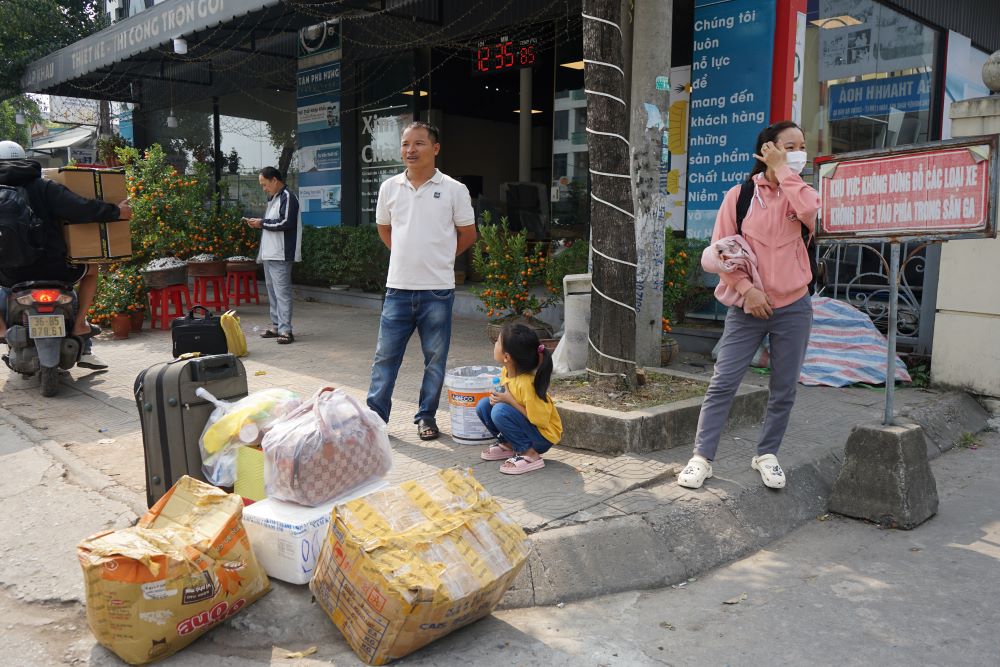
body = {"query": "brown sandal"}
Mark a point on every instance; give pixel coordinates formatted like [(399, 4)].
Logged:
[(269, 333), (285, 339)]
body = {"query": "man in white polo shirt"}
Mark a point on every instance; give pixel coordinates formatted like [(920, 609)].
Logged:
[(425, 219)]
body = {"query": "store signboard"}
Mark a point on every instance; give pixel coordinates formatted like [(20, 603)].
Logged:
[(730, 100), (319, 133), (931, 192), (381, 133), (880, 97)]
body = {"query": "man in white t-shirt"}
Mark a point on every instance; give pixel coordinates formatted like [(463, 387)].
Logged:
[(425, 219)]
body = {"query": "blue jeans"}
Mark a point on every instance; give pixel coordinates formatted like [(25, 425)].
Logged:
[(403, 311), (511, 427), (278, 279)]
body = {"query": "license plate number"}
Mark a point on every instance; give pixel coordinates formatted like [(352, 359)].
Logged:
[(46, 326)]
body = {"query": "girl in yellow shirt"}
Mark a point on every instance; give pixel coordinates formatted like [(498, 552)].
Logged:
[(521, 415)]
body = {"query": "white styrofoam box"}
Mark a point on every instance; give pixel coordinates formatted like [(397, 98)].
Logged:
[(286, 537)]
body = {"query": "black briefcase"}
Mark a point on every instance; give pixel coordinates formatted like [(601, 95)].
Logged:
[(198, 334)]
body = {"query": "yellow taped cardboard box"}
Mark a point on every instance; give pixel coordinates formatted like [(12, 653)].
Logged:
[(95, 241), (187, 565), (404, 566)]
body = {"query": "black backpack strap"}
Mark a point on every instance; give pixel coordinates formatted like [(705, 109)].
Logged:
[(743, 203)]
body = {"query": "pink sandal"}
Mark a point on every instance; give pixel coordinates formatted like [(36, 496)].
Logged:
[(496, 452), (518, 465)]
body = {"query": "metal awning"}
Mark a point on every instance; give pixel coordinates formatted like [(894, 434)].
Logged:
[(154, 28), (65, 139)]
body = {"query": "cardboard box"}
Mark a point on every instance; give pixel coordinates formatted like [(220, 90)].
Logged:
[(104, 184), (97, 242), (250, 473), (286, 537), (154, 588), (404, 566)]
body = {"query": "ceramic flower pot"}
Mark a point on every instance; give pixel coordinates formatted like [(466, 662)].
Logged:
[(669, 349), (120, 326), (136, 318)]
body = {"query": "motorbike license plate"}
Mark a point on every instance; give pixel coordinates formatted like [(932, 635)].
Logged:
[(46, 326)]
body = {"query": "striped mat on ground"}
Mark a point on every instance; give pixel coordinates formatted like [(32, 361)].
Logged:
[(844, 348)]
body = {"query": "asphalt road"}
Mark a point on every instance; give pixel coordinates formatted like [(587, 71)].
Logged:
[(835, 592)]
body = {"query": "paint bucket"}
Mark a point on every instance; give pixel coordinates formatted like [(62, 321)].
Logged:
[(466, 385)]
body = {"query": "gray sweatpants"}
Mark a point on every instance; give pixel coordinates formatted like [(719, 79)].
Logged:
[(788, 328), (278, 277)]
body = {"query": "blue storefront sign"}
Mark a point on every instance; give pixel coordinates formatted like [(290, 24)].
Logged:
[(880, 97), (730, 100), (318, 107)]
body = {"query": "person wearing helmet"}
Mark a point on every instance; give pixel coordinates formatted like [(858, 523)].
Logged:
[(11, 150), (54, 203)]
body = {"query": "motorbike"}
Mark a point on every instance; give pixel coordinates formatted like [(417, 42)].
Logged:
[(40, 318)]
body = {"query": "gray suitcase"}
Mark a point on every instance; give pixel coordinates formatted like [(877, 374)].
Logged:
[(173, 417)]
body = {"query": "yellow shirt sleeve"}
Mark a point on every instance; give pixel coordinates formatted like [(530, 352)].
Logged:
[(541, 413)]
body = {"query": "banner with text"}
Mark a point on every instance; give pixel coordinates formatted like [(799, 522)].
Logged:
[(880, 97), (730, 100), (938, 193), (318, 115), (381, 132)]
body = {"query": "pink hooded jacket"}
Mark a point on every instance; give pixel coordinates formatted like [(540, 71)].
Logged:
[(731, 255), (773, 230)]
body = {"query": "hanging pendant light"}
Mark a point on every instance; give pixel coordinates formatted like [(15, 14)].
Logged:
[(19, 118), (172, 120), (180, 46)]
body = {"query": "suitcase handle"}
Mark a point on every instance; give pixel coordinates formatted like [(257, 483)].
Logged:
[(213, 367)]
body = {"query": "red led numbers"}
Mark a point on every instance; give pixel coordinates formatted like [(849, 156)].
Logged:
[(504, 55)]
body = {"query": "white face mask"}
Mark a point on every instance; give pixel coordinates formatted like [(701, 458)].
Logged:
[(796, 161)]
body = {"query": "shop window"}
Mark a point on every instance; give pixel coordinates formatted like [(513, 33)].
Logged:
[(561, 125), (869, 77)]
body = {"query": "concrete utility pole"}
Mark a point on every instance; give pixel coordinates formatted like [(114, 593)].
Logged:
[(652, 24)]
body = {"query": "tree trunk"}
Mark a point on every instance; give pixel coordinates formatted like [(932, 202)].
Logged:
[(287, 150), (611, 359)]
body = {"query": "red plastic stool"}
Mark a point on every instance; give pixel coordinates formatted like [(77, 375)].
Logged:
[(220, 298), (160, 301), (242, 286)]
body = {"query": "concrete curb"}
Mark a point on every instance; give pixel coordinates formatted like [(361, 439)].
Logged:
[(78, 469), (695, 531), (675, 541)]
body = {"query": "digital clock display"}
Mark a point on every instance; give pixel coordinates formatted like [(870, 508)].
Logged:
[(505, 54)]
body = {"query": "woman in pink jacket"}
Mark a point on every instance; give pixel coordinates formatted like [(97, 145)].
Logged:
[(782, 203)]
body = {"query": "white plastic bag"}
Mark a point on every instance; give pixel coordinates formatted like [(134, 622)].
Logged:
[(329, 445), (233, 425)]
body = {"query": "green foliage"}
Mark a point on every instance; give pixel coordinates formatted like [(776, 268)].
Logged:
[(512, 274), (920, 372), (107, 148), (342, 255), (9, 129), (683, 281), (119, 290), (31, 29), (172, 213), (570, 260), (967, 441)]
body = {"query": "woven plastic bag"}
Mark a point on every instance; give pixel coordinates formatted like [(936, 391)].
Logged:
[(326, 447)]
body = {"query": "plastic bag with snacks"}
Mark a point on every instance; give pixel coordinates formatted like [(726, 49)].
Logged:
[(329, 445), (239, 424)]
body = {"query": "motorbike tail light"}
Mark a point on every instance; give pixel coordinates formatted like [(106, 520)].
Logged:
[(47, 296)]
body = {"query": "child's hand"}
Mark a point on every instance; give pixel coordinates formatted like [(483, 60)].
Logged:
[(499, 397)]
